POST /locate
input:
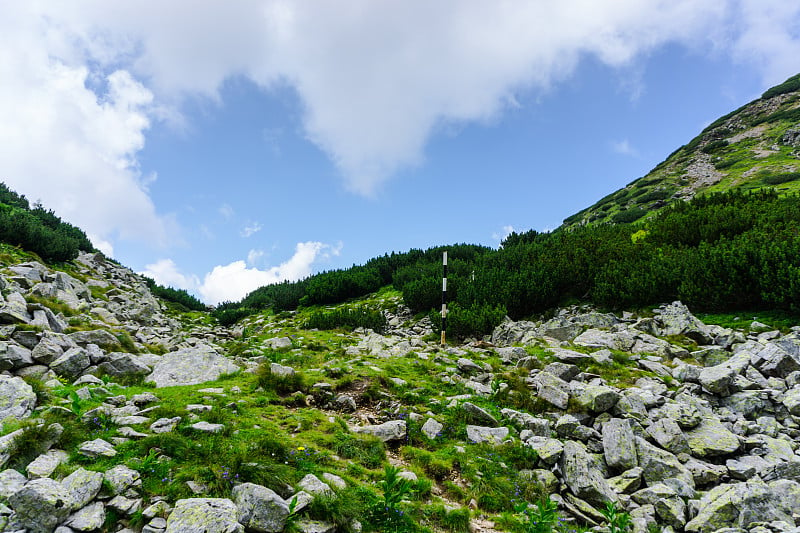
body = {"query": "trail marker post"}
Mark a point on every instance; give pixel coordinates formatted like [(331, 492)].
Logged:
[(444, 296)]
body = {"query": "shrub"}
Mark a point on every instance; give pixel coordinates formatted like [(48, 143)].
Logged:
[(629, 215), (777, 179), (360, 317), (473, 321)]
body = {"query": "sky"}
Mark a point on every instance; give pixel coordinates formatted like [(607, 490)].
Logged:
[(221, 146)]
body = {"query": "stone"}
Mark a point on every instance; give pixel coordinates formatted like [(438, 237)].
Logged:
[(432, 429), (562, 370), (739, 504), (777, 359), (40, 505), (667, 433), (208, 427), (190, 366), (204, 515), (548, 450), (314, 486), (48, 350), (72, 363), (11, 481), (717, 379), (685, 415), (306, 525), (97, 448), (711, 438), (595, 398), (278, 343), (340, 483), (17, 399), (101, 337), (89, 518), (165, 425), (14, 356), (479, 415), (82, 486), (619, 446), (585, 481), (260, 509), (388, 431), (552, 389), (46, 464), (124, 364), (659, 465), (478, 434), (538, 426), (627, 482), (281, 371)]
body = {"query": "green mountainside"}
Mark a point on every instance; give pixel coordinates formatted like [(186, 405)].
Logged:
[(756, 146), (329, 404)]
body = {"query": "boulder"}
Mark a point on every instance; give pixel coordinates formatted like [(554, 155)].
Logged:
[(89, 518), (190, 366), (82, 486), (101, 337), (667, 433), (595, 398), (124, 364), (14, 356), (711, 438), (552, 389), (17, 398), (431, 428), (204, 515), (740, 505), (11, 481), (538, 426), (314, 486), (260, 509), (479, 415), (72, 363), (478, 434), (619, 446), (388, 431), (548, 450), (40, 505), (659, 465), (717, 379), (585, 481)]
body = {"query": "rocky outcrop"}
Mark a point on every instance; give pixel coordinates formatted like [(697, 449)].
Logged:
[(190, 366)]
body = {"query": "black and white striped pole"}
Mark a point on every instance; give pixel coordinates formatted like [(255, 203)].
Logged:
[(444, 296)]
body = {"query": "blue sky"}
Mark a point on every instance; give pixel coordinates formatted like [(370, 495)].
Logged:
[(220, 147)]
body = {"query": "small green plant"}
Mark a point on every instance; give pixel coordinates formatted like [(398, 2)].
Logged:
[(617, 522), (542, 518), (395, 489)]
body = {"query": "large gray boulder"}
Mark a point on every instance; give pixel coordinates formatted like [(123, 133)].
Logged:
[(204, 515), (100, 337), (82, 486), (595, 398), (778, 358), (17, 398), (479, 434), (717, 379), (13, 356), (89, 518), (190, 366), (676, 319), (124, 364), (740, 505), (388, 431), (585, 481), (711, 438), (552, 389), (40, 505), (619, 446), (260, 509), (15, 310), (659, 465), (72, 363)]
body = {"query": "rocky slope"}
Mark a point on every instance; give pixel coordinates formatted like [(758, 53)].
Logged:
[(120, 415), (753, 147)]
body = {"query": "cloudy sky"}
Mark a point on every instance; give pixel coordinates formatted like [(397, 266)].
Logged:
[(220, 146)]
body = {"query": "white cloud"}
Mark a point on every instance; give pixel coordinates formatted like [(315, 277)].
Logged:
[(254, 257), (83, 80), (166, 272), (624, 147), (226, 211), (503, 233), (234, 281), (251, 229)]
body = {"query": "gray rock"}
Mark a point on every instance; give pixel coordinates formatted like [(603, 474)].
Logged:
[(548, 450), (659, 465), (204, 515), (595, 398), (388, 431), (711, 438), (511, 354), (278, 343), (101, 337), (552, 389), (306, 525), (90, 518), (40, 505), (431, 428), (717, 379), (14, 356), (685, 415), (479, 434), (17, 399), (208, 427), (190, 366), (777, 359), (48, 350), (11, 481), (82, 486), (676, 319), (46, 464), (467, 366), (627, 482), (739, 504), (619, 446), (667, 433), (538, 426), (281, 370), (582, 478), (314, 486), (124, 364), (72, 363), (260, 509), (562, 370), (478, 415), (97, 448), (165, 425)]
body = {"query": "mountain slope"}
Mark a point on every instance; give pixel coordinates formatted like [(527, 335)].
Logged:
[(757, 145)]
